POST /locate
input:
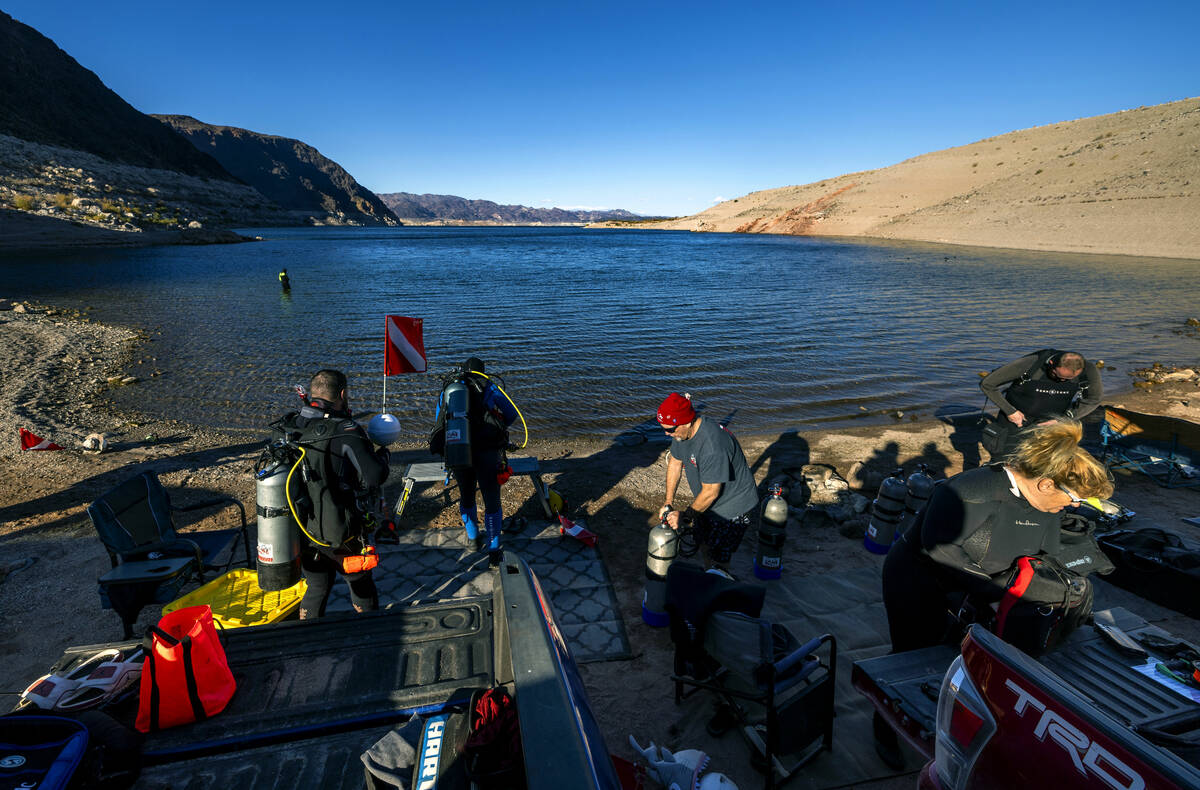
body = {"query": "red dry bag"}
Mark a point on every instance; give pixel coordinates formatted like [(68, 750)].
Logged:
[(185, 676)]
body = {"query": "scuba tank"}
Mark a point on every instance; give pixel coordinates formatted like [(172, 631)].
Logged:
[(772, 521), (456, 401), (920, 486), (660, 553), (886, 512), (278, 563)]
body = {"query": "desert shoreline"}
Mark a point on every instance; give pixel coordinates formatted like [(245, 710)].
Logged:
[(36, 235), (60, 362)]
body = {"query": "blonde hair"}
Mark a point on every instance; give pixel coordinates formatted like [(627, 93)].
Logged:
[(1053, 451)]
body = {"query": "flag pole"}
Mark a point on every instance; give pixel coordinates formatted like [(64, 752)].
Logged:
[(383, 408)]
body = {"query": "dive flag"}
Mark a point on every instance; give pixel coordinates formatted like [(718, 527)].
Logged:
[(403, 346), (31, 441), (577, 531)]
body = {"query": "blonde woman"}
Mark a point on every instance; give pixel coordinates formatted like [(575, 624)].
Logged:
[(973, 530)]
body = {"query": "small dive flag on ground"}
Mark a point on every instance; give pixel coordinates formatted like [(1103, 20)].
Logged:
[(577, 531), (31, 441), (404, 346)]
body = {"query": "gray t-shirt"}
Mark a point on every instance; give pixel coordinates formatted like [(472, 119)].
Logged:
[(714, 456)]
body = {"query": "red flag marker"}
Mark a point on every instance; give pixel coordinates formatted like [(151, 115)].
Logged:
[(404, 345), (569, 527), (31, 441)]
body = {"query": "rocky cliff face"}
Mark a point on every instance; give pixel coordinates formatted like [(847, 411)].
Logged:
[(63, 186), (429, 209), (47, 97), (1125, 183), (291, 173)]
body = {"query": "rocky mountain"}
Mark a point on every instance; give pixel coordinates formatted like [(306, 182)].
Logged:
[(1125, 183), (435, 209), (291, 173), (47, 97)]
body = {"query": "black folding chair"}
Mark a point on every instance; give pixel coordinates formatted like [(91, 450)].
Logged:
[(151, 561)]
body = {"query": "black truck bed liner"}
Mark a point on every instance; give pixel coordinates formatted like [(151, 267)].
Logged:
[(1086, 662)]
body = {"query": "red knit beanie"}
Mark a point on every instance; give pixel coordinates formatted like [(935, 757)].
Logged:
[(676, 410)]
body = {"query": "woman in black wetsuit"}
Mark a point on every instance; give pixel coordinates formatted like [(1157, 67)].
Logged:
[(973, 530)]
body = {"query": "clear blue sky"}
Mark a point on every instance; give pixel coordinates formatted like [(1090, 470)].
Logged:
[(627, 105)]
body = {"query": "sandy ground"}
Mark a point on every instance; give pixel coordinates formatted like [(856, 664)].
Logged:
[(58, 366), (1126, 183)]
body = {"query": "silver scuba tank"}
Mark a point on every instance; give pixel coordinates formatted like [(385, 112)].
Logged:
[(660, 553), (886, 512), (278, 561), (772, 523), (456, 400)]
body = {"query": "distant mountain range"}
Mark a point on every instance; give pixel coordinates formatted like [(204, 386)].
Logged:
[(411, 208), (73, 151)]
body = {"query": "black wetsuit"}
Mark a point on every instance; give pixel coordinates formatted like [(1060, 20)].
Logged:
[(351, 466), (965, 540), (1037, 395)]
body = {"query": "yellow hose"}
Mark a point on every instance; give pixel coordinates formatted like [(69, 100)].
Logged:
[(287, 493), (510, 400)]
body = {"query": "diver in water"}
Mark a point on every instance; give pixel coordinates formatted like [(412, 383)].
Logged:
[(285, 281)]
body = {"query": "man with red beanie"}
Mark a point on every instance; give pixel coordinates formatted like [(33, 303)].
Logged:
[(723, 490)]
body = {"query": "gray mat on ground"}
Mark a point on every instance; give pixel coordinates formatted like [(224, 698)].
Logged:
[(431, 564)]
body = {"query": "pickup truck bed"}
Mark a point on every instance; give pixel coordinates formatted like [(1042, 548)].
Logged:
[(313, 696), (1087, 674)]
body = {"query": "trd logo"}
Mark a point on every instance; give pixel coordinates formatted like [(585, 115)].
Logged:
[(1087, 755)]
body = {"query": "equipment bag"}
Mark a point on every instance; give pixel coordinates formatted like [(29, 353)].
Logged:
[(1157, 565), (1043, 603), (185, 676), (494, 758), (995, 433)]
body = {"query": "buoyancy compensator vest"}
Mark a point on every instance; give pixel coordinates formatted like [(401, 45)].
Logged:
[(487, 428), (1040, 396), (324, 501)]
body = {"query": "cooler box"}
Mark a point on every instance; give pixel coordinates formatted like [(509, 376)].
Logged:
[(237, 601)]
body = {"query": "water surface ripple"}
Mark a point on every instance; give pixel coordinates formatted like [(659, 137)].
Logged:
[(591, 328)]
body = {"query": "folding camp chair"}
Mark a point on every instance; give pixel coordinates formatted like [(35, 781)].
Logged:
[(776, 691), (150, 560), (1165, 449)]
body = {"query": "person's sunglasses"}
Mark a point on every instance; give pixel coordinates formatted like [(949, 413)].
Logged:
[(1075, 500), (670, 430)]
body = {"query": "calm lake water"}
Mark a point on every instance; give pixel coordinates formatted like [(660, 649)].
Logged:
[(590, 329)]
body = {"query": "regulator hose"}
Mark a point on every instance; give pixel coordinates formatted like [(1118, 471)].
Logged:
[(510, 400)]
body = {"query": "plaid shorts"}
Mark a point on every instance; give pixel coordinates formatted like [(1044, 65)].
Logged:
[(722, 536)]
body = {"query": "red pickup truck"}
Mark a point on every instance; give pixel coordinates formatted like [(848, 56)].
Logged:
[(989, 716)]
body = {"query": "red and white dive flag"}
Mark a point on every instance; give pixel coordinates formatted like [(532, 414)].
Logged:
[(404, 345), (577, 531), (31, 441)]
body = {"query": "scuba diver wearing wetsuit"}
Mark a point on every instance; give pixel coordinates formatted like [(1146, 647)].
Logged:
[(341, 464), (489, 416), (1047, 385), (971, 533)]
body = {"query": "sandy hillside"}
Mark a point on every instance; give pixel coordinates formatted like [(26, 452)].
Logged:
[(1126, 183)]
